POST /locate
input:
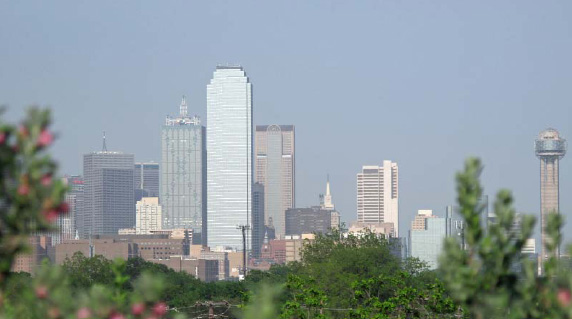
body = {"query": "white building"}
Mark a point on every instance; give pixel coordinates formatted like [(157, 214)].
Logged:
[(229, 157), (529, 246), (377, 195), (148, 216)]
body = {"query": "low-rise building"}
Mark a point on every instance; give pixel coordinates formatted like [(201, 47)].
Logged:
[(28, 262), (386, 229), (310, 220), (205, 270), (223, 262)]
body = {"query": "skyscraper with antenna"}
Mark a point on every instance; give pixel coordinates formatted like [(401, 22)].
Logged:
[(183, 172), (108, 194), (549, 147)]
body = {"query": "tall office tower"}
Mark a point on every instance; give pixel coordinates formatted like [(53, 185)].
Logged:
[(183, 173), (377, 195), (258, 226), (148, 215), (275, 164), (550, 147), (229, 156), (146, 179), (108, 193)]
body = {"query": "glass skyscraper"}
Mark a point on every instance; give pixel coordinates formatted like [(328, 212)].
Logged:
[(427, 243), (183, 172), (229, 156)]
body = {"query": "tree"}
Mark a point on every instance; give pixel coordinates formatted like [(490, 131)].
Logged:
[(85, 272), (482, 278), (31, 199), (334, 262)]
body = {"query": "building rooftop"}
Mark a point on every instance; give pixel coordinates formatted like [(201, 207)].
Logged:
[(223, 67)]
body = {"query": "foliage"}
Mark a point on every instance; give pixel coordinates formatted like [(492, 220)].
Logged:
[(31, 199), (334, 262), (401, 300), (355, 276), (483, 278)]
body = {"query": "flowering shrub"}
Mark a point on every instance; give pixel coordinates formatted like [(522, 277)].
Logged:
[(31, 198)]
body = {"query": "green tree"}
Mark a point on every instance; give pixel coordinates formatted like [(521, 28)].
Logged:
[(334, 262), (84, 271), (482, 278)]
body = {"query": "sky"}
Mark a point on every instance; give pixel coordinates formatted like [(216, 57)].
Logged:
[(423, 83)]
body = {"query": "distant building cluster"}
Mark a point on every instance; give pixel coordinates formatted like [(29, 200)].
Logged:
[(222, 198)]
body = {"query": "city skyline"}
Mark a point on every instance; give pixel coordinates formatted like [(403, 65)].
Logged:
[(427, 96)]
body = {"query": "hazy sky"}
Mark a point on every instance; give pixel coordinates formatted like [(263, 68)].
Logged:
[(422, 83)]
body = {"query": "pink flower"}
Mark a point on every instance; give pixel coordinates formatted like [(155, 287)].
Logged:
[(564, 297), (137, 309), (23, 189), (46, 180), (64, 208), (42, 292), (2, 138), (160, 309), (116, 315), (46, 138), (23, 131), (83, 313), (50, 215)]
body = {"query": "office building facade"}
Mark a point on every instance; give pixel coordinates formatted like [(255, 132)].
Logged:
[(183, 172), (275, 169), (229, 156), (146, 180), (148, 215), (377, 195), (427, 244), (258, 226), (308, 220), (108, 201)]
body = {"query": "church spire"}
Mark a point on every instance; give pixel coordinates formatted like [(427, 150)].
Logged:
[(328, 198), (328, 186)]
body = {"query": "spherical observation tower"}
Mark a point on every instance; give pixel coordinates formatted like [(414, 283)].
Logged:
[(549, 147)]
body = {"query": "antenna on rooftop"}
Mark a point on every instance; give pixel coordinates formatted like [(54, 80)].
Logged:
[(183, 108), (104, 144)]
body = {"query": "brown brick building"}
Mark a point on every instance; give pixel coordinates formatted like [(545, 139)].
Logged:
[(28, 262)]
